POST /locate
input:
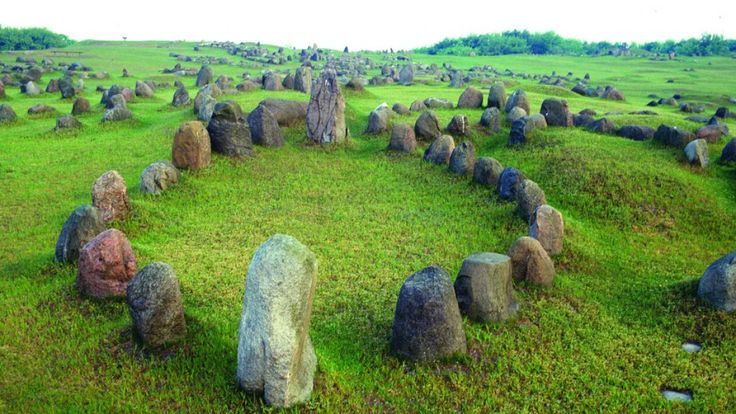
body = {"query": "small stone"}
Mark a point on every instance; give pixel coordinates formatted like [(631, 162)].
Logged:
[(7, 114), (158, 176), (80, 106), (378, 119), (729, 151), (440, 150), (110, 196), (556, 112), (417, 105), (691, 347), (229, 130), (470, 98), (400, 109), (462, 160), (487, 171), (181, 97), (83, 225), (106, 265), (497, 97), (191, 148), (484, 288), (459, 125), (67, 122), (531, 262), (679, 396), (402, 138), (518, 99)]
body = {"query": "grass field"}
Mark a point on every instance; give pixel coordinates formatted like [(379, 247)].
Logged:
[(641, 227)]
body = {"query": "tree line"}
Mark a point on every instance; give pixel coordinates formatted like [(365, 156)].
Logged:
[(550, 43), (31, 38)]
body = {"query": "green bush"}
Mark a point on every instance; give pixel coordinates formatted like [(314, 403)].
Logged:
[(31, 38)]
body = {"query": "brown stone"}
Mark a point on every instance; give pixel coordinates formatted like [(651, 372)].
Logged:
[(548, 227), (110, 196), (326, 111), (192, 146), (106, 264), (530, 262)]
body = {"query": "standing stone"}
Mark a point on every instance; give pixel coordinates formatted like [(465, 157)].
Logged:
[(517, 135), (303, 79), (211, 90), (402, 138), (206, 108), (229, 131), (427, 322), (556, 112), (427, 126), (110, 196), (52, 86), (158, 176), (484, 288), (80, 106), (487, 171), (67, 122), (497, 97), (459, 125), (717, 287), (400, 109), (612, 93), (462, 160), (518, 99), (181, 97), (191, 148), (440, 150), (417, 105), (204, 77), (406, 76), (378, 119), (7, 114), (326, 111), (470, 98), (264, 128), (154, 303), (729, 151), (106, 265), (441, 103), (515, 114), (530, 262), (275, 353), (30, 89), (272, 82), (288, 82), (673, 136), (548, 227), (143, 90), (508, 183), (696, 153), (83, 225), (529, 197), (491, 119)]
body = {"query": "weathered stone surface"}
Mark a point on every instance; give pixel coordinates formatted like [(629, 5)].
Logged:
[(30, 89), (143, 90), (515, 114), (211, 90), (378, 119), (612, 93), (106, 265), (7, 114), (154, 304), (484, 288), (462, 160), (470, 98), (400, 109), (487, 171), (508, 183), (440, 150), (548, 227), (417, 106), (67, 122), (710, 133), (158, 176), (529, 197), (530, 262), (402, 138), (83, 225), (556, 112), (601, 126), (696, 152), (459, 125), (584, 120), (303, 79), (491, 119), (229, 131), (117, 113), (326, 111), (406, 75), (117, 100), (205, 76), (518, 99), (286, 112), (729, 151), (427, 126), (497, 97), (264, 128), (191, 148), (66, 87), (272, 82), (518, 135), (673, 136), (52, 86), (181, 97), (275, 353), (437, 103), (636, 132), (206, 108), (41, 109), (110, 196), (427, 322), (717, 287), (80, 106)]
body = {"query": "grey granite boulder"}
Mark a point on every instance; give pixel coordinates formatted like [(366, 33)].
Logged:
[(440, 150), (154, 303), (548, 227), (83, 225), (158, 176), (484, 288), (717, 287)]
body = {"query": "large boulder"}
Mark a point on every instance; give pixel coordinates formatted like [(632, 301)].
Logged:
[(518, 99), (106, 265), (67, 122), (459, 125), (487, 171), (275, 353), (192, 147), (491, 119), (7, 114), (66, 87), (636, 132), (206, 108), (181, 97), (729, 151), (612, 93), (427, 126), (83, 225), (52, 86), (80, 106), (303, 79), (711, 133), (402, 138), (427, 322), (528, 198), (462, 160), (286, 112), (673, 136), (548, 227), (142, 90), (326, 111), (484, 288), (556, 112), (508, 183), (601, 126), (117, 113), (434, 103), (154, 304), (406, 75), (30, 88), (515, 114), (205, 76), (229, 131), (696, 152), (530, 262), (110, 196), (211, 90), (158, 176), (523, 127), (470, 98), (272, 82), (497, 97), (440, 150), (417, 105), (717, 287), (378, 119), (264, 128)]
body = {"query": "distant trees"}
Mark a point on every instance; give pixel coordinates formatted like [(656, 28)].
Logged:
[(31, 39), (550, 43)]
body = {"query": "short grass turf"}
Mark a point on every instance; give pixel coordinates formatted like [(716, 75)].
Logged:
[(641, 227)]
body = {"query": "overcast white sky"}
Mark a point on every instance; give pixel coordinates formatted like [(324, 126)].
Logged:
[(371, 24)]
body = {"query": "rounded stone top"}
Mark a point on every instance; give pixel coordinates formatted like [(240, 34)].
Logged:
[(487, 257)]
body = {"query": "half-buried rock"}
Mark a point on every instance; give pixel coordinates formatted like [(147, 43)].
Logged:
[(83, 225), (229, 131), (530, 262), (548, 227), (154, 303), (275, 353), (106, 265), (191, 148), (487, 171), (110, 196), (484, 288), (326, 111), (717, 287), (440, 150), (158, 176), (264, 128), (427, 322)]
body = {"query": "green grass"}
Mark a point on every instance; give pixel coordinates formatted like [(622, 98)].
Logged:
[(641, 227)]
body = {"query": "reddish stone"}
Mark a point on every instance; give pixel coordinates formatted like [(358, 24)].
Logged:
[(106, 265), (110, 196), (192, 146)]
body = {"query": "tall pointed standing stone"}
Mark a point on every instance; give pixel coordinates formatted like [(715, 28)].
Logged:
[(326, 110)]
